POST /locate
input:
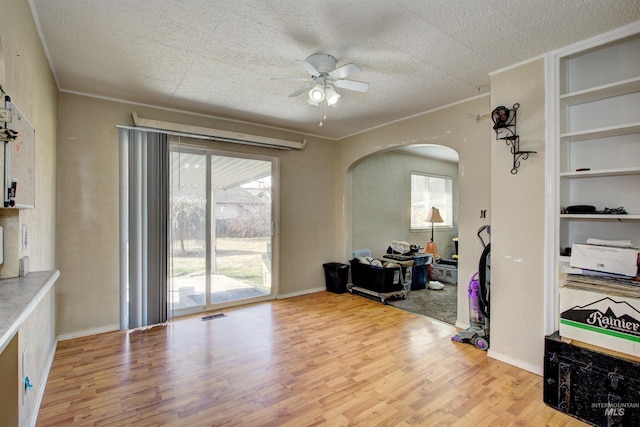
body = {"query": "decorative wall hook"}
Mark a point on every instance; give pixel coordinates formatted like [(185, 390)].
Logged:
[(7, 134), (504, 123)]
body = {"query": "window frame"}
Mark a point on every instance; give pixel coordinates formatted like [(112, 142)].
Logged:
[(446, 211)]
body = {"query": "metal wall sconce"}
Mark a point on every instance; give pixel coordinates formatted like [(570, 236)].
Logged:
[(504, 123)]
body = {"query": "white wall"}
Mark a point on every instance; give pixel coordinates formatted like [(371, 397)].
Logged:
[(381, 189), (518, 211)]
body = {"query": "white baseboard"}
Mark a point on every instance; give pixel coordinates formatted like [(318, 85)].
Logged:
[(535, 369), (305, 292), (88, 332), (47, 369)]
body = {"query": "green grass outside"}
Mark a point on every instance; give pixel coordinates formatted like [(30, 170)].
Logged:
[(239, 258)]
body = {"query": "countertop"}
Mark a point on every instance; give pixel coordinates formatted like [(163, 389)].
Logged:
[(18, 297)]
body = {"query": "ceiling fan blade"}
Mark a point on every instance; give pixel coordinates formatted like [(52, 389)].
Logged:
[(310, 68), (294, 79), (352, 85), (301, 91), (344, 71)]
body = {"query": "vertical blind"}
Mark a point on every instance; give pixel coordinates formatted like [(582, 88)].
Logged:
[(144, 209)]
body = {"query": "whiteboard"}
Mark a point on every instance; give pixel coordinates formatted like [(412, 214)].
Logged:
[(19, 162)]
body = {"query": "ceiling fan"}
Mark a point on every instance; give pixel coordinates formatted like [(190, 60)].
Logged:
[(324, 76)]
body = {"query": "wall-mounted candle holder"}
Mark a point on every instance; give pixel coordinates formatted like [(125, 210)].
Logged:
[(505, 123)]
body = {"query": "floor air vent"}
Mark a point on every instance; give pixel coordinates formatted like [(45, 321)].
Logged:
[(213, 316)]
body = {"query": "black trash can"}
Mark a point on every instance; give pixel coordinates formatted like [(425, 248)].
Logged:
[(336, 275)]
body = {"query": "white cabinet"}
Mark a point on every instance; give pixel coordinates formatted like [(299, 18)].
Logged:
[(599, 141)]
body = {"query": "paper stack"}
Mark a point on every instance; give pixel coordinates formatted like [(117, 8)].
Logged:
[(604, 266)]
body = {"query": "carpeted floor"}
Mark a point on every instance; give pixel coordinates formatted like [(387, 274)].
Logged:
[(440, 305)]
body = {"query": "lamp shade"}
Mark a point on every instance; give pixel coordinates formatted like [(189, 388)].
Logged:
[(332, 95), (434, 216)]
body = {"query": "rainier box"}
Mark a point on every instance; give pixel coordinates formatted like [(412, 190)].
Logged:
[(623, 261), (601, 319), (381, 279)]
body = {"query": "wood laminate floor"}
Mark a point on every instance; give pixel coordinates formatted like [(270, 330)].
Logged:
[(318, 359)]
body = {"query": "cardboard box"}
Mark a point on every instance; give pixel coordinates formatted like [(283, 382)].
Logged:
[(606, 259), (601, 319)]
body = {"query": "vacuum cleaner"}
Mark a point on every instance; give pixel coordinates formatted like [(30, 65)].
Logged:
[(479, 290)]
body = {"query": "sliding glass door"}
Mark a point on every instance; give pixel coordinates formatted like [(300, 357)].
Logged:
[(221, 229), (188, 231)]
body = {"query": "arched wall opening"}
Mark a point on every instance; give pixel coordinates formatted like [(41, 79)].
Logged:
[(382, 205), (455, 127), (393, 192)]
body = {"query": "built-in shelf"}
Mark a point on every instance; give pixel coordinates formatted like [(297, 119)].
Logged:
[(605, 132), (601, 173), (603, 217), (601, 92), (596, 127)]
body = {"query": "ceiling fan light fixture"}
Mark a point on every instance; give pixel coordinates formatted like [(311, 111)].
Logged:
[(332, 95), (317, 93), (325, 78)]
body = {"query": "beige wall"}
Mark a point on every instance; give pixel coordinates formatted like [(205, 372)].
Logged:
[(88, 229), (77, 224), (518, 210), (381, 189), (26, 77), (37, 342), (315, 223), (515, 203), (451, 127), (29, 82)]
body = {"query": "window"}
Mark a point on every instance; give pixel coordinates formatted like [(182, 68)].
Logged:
[(429, 191)]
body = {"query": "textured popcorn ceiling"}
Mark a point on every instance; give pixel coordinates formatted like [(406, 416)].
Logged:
[(218, 57)]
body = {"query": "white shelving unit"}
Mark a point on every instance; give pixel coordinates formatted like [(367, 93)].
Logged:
[(599, 141), (592, 112)]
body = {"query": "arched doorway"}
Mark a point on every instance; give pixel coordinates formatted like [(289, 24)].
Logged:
[(453, 127), (383, 209)]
